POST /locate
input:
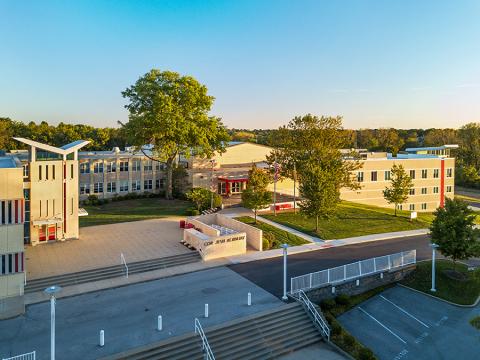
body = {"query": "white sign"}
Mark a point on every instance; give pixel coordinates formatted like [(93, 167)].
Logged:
[(413, 215)]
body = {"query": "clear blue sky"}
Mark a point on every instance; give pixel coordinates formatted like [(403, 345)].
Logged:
[(380, 63)]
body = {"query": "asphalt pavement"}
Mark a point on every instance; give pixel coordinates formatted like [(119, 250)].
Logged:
[(268, 273)]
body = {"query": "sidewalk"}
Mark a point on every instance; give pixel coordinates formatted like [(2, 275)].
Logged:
[(309, 238)]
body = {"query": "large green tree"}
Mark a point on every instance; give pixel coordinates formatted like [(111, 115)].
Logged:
[(256, 196), (171, 112), (400, 185), (453, 229)]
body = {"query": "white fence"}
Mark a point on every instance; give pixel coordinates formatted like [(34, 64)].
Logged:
[(27, 356), (352, 271)]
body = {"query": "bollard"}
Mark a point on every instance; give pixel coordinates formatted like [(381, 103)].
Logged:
[(333, 289), (206, 310), (102, 337), (159, 323), (381, 275), (358, 282), (249, 299)]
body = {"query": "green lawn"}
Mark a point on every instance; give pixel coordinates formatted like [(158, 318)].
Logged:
[(275, 236), (463, 292), (132, 210), (354, 219)]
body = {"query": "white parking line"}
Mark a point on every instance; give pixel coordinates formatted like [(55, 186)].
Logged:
[(404, 311), (379, 323)]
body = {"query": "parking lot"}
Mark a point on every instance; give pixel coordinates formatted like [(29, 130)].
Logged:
[(403, 324)]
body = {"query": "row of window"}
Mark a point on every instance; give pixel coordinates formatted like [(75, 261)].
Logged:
[(435, 190), (11, 212), (111, 166), (47, 172), (111, 187), (411, 207), (12, 263), (48, 208), (412, 173)]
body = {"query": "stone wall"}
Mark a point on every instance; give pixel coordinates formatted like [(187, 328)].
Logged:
[(355, 287)]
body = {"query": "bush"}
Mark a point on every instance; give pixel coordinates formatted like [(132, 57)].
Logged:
[(336, 328), (366, 354), (343, 299), (328, 304), (192, 212), (349, 340), (268, 240)]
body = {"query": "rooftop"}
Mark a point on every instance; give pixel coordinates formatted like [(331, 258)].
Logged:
[(7, 162)]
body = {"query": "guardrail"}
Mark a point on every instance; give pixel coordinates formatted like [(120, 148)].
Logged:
[(27, 356), (205, 346), (318, 319), (122, 260), (352, 271)]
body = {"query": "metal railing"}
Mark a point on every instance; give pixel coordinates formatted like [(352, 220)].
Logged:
[(122, 260), (27, 356), (352, 271), (318, 319), (205, 346)]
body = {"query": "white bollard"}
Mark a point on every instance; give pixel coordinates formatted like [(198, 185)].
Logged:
[(358, 282), (206, 310), (381, 275), (333, 289), (159, 323), (102, 338), (249, 299)]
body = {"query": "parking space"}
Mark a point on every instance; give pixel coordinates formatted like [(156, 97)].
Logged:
[(403, 324)]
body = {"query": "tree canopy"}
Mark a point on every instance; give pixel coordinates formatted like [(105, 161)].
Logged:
[(400, 185), (256, 196)]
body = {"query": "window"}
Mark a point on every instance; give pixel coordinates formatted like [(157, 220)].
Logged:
[(411, 207), (53, 172), (39, 172), (124, 186), (373, 176), (124, 166), (111, 167), (424, 173), (98, 167), (136, 185), (98, 188), (148, 185), (449, 189), (46, 172), (147, 166), (387, 175), (424, 190), (449, 172), (399, 207), (436, 173), (84, 168), (11, 212), (84, 189), (412, 174), (26, 171), (160, 184), (136, 165), (71, 171), (111, 187), (412, 192), (435, 189), (12, 263), (424, 206), (360, 176)]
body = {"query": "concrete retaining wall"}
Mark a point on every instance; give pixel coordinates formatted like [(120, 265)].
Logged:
[(364, 284), (254, 235)]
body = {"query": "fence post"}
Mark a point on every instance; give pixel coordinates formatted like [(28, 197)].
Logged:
[(328, 276), (374, 264), (311, 280), (389, 263), (402, 258), (159, 323), (249, 299), (206, 310), (360, 268)]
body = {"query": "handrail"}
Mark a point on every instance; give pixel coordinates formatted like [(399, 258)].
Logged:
[(317, 317), (123, 261), (205, 345), (27, 356)]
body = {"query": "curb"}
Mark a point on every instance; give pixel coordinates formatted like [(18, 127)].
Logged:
[(476, 302)]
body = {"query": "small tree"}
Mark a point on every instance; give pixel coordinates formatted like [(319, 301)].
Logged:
[(256, 196), (453, 230), (401, 183), (202, 198)]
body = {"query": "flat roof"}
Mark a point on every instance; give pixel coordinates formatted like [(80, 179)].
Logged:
[(7, 162), (433, 148)]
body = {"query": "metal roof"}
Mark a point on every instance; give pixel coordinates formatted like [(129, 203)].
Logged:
[(433, 148)]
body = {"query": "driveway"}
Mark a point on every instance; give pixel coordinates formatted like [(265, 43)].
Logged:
[(403, 324), (100, 246)]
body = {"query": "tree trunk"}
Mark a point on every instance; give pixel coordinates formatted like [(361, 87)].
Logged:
[(169, 190), (255, 211), (395, 209), (316, 225)]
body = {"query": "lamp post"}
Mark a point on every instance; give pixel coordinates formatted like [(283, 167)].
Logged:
[(434, 247), (51, 291), (211, 183), (284, 247)]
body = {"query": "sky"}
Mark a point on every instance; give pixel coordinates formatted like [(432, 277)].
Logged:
[(403, 64)]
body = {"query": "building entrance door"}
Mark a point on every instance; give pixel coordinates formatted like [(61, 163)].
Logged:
[(42, 233), (52, 232)]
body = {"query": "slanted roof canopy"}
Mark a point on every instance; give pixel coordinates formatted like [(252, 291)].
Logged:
[(64, 150)]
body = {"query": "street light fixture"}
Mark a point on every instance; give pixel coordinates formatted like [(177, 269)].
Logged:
[(284, 247), (434, 247), (51, 291)]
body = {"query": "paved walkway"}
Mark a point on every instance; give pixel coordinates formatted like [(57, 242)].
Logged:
[(309, 238), (100, 246), (314, 352)]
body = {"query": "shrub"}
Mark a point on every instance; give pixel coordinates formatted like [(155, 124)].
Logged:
[(328, 304), (192, 212), (268, 240), (365, 354), (336, 328), (349, 340), (342, 299), (92, 199)]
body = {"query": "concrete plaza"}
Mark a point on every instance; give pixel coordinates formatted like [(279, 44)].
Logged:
[(101, 245), (129, 314)]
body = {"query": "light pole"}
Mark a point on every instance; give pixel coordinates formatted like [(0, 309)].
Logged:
[(52, 290), (284, 247), (211, 184), (434, 247)]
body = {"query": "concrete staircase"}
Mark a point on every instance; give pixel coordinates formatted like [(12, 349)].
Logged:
[(109, 272), (266, 335)]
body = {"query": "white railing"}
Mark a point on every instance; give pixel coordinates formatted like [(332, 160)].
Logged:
[(352, 271), (27, 356), (317, 317), (122, 260), (205, 346)]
